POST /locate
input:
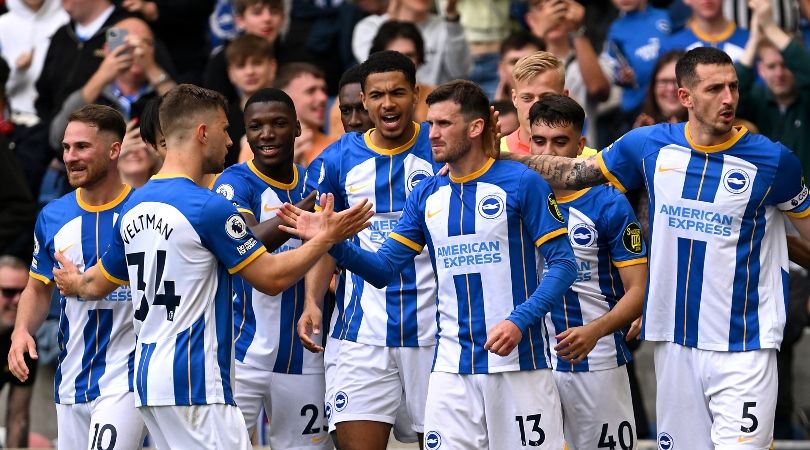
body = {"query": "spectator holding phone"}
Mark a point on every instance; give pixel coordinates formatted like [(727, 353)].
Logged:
[(127, 77), (633, 43)]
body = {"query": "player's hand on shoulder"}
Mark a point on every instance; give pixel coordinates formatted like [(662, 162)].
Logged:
[(308, 325), (503, 338), (21, 343), (67, 276), (575, 343)]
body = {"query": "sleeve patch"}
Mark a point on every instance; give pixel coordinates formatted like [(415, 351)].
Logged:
[(236, 227), (795, 201), (554, 208), (225, 190), (631, 238)]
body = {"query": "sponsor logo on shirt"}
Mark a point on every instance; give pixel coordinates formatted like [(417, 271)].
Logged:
[(631, 238), (554, 208)]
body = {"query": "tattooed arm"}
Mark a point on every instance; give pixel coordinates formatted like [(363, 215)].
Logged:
[(562, 172)]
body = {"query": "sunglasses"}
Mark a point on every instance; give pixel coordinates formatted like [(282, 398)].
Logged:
[(10, 292)]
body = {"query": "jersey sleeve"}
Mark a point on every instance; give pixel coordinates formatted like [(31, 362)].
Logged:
[(620, 162), (625, 240), (225, 233), (410, 230), (42, 262), (539, 209), (323, 177), (789, 189), (236, 189), (113, 264)]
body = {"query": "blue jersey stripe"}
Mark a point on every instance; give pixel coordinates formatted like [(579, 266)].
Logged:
[(131, 370), (472, 327), (89, 239), (189, 366), (246, 328), (286, 335), (340, 320), (223, 317), (197, 362), (689, 288), (62, 339), (383, 191), (649, 174), (354, 310), (96, 333), (181, 367), (398, 193), (401, 303), (743, 332), (143, 371)]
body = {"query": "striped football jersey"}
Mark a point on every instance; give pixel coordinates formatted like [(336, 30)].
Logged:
[(718, 258), (96, 339), (176, 243)]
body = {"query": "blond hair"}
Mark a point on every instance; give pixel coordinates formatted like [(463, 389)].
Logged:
[(536, 64)]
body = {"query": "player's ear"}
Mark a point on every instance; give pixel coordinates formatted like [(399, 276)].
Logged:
[(415, 94), (201, 133), (297, 128), (685, 97), (363, 98), (581, 145), (115, 150), (475, 128)]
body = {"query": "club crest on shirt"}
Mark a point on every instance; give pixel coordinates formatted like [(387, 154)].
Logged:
[(582, 235), (490, 207), (554, 208), (36, 246), (236, 227), (433, 440), (736, 181), (415, 177), (341, 401), (665, 442), (631, 238)]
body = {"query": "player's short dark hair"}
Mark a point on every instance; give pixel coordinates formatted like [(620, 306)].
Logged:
[(149, 122), (288, 72), (240, 6), (248, 46), (350, 76), (504, 107), (521, 39), (181, 106), (271, 95), (686, 67), (473, 102), (393, 30), (103, 117), (388, 61), (557, 111)]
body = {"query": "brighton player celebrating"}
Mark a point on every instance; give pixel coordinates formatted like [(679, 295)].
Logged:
[(482, 225), (590, 352), (177, 242), (715, 303), (272, 368), (95, 407), (388, 335)]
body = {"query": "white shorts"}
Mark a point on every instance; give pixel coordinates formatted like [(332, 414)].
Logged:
[(714, 400), (508, 410), (293, 404), (108, 422), (201, 427), (370, 382), (597, 409), (403, 428)]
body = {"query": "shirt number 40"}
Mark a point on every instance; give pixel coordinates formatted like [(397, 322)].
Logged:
[(168, 298)]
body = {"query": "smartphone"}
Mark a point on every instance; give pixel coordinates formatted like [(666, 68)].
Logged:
[(116, 37)]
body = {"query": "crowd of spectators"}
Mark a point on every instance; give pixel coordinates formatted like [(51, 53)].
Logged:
[(616, 58)]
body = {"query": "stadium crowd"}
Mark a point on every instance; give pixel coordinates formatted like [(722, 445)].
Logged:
[(332, 342)]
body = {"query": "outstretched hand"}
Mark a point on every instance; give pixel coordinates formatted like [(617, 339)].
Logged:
[(67, 277), (334, 226)]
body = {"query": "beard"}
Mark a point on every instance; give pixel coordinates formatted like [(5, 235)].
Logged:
[(90, 176), (453, 153)]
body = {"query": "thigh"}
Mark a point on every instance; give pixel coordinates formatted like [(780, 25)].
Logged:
[(403, 427), (682, 409), (115, 423), (252, 390), (597, 409), (367, 385), (414, 371), (454, 417), (73, 425), (742, 391), (522, 410), (203, 427), (296, 412)]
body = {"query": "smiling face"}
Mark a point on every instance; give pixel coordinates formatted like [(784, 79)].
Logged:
[(390, 100), (87, 154), (308, 93), (271, 129), (712, 99), (262, 20)]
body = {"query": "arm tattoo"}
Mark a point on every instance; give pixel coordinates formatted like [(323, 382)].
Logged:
[(566, 173)]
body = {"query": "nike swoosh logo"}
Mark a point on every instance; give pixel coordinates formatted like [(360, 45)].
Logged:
[(744, 439), (430, 214), (667, 169), (270, 208), (353, 189), (65, 248)]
